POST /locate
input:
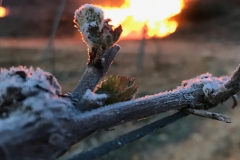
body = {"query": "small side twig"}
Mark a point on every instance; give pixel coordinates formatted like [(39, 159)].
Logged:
[(127, 138), (207, 114)]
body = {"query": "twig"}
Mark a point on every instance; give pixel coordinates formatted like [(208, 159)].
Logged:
[(206, 114), (127, 138)]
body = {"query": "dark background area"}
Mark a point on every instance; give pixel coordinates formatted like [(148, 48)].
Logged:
[(209, 20), (34, 18)]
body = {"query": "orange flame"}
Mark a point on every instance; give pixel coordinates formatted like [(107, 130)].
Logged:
[(153, 15), (3, 12)]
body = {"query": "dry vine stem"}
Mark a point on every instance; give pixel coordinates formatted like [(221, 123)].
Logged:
[(37, 122)]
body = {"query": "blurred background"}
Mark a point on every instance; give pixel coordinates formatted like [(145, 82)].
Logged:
[(163, 42)]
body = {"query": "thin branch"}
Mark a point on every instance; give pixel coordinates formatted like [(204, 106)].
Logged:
[(127, 138), (206, 114)]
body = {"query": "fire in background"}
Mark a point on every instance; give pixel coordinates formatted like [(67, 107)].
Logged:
[(3, 12), (154, 14)]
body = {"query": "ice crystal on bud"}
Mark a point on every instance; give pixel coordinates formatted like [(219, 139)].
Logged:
[(94, 100), (88, 14), (96, 31), (89, 18)]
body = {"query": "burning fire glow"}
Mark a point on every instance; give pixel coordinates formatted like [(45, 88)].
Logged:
[(3, 12), (145, 17)]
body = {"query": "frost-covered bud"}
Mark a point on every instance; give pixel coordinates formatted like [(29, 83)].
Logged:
[(89, 20), (95, 30), (88, 14)]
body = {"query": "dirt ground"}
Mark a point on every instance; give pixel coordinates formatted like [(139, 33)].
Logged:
[(166, 63)]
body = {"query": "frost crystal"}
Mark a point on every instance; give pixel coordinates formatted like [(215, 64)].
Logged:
[(90, 15), (94, 100), (210, 83), (28, 79), (28, 95), (89, 95)]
